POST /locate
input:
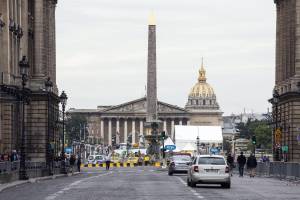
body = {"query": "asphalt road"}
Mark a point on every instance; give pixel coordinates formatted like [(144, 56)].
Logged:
[(145, 184)]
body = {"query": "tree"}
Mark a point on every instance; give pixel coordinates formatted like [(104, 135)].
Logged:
[(75, 125), (263, 135)]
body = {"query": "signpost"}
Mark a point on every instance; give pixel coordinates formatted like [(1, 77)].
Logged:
[(170, 147), (214, 150)]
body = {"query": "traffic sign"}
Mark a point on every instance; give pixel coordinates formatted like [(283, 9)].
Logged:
[(214, 150), (170, 147)]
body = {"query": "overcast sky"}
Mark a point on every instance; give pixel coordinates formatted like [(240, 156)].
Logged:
[(102, 50)]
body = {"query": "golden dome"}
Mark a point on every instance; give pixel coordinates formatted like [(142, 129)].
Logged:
[(202, 89)]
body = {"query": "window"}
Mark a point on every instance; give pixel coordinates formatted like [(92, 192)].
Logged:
[(211, 161)]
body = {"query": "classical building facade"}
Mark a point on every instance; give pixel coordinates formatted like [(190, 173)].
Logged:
[(120, 121), (27, 30), (286, 98)]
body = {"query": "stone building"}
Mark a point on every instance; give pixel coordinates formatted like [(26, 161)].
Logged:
[(107, 122), (286, 112), (27, 30)]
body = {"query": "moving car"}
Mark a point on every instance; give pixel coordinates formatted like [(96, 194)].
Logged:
[(179, 164), (99, 159), (209, 169)]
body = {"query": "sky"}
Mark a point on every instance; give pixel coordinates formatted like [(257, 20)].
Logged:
[(102, 51)]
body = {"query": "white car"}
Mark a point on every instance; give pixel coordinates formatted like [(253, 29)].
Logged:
[(209, 169), (91, 159)]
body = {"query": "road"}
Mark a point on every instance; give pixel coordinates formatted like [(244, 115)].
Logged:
[(146, 184)]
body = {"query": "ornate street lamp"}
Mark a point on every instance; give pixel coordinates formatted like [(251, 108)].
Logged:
[(275, 102), (49, 158), (63, 99), (24, 70)]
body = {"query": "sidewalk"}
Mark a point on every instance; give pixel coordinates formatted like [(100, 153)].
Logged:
[(33, 180)]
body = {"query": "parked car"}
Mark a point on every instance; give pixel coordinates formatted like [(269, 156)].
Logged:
[(179, 164), (99, 159), (209, 169)]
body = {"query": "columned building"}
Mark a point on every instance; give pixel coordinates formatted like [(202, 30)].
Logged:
[(129, 118), (27, 34), (286, 98)]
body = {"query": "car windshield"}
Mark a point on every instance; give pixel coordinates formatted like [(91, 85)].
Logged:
[(182, 158), (211, 161), (98, 158)]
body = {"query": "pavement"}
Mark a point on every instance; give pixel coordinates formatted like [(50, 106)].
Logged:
[(147, 183), (33, 180)]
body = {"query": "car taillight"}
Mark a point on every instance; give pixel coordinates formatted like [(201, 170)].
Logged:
[(227, 169), (196, 169)]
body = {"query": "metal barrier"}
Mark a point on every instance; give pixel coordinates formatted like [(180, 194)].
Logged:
[(282, 170)]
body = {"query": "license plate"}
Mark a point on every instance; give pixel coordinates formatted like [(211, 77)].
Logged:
[(212, 170)]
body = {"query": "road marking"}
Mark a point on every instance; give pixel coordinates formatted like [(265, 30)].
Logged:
[(67, 188), (192, 190)]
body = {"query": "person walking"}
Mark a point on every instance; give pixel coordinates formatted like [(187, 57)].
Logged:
[(107, 161), (241, 161), (72, 162), (251, 165), (230, 162), (78, 163)]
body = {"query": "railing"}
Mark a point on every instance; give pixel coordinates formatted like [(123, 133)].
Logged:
[(282, 170)]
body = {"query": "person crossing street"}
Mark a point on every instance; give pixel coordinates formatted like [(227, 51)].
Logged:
[(107, 161)]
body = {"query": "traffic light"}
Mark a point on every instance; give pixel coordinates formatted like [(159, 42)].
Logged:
[(163, 135), (254, 139)]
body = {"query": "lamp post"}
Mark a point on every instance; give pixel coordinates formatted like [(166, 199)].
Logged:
[(275, 102), (63, 99), (24, 70), (198, 145), (49, 159)]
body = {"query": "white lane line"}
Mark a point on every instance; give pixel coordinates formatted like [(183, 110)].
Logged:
[(56, 194), (192, 190)]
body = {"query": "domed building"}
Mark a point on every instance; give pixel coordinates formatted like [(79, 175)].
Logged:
[(202, 103)]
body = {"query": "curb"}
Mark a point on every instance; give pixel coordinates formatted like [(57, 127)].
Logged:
[(34, 180)]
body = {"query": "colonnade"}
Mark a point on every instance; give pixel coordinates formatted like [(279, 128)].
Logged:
[(124, 126)]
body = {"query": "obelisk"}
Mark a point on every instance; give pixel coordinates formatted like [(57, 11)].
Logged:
[(151, 72)]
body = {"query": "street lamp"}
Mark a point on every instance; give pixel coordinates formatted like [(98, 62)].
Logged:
[(198, 145), (49, 86), (24, 70), (63, 99), (275, 102)]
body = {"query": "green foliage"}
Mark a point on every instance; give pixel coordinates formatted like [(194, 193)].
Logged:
[(75, 125), (226, 146), (260, 129)]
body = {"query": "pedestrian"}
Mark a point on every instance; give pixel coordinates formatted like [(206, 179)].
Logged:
[(251, 165), (107, 161), (241, 161), (72, 162), (78, 163), (230, 162)]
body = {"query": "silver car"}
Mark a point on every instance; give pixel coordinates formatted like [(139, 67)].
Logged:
[(209, 169), (179, 164)]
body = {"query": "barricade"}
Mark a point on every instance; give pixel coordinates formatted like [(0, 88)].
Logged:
[(121, 164)]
